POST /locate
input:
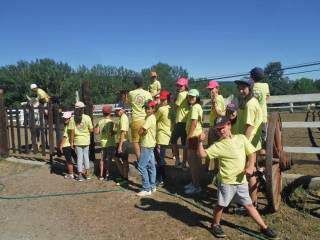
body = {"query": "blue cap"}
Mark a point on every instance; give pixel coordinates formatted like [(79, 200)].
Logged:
[(118, 106)]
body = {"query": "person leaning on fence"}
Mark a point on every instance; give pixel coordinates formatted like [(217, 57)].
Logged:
[(218, 109), (65, 146), (137, 98), (155, 86), (122, 154), (261, 93), (42, 96), (179, 130), (164, 127), (105, 128), (232, 150), (81, 126), (194, 128), (249, 123), (146, 163)]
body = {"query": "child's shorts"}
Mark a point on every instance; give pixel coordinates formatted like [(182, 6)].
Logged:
[(179, 131), (135, 126), (108, 153), (237, 192), (124, 155)]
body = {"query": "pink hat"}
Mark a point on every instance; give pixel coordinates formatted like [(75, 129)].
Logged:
[(213, 84), (182, 81)]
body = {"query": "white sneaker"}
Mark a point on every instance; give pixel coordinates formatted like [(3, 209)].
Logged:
[(188, 186), (193, 190), (143, 193), (154, 189)]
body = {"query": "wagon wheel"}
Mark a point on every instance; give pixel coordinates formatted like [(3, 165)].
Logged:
[(274, 150)]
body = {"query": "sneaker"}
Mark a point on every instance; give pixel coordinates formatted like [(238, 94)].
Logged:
[(143, 193), (269, 233), (193, 190), (69, 177), (101, 178), (88, 177), (188, 186), (80, 178), (217, 231), (153, 190), (159, 183)]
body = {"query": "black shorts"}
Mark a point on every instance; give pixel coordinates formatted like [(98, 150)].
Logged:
[(124, 155), (69, 154), (179, 131)]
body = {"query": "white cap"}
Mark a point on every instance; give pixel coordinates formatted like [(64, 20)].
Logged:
[(33, 86), (79, 105)]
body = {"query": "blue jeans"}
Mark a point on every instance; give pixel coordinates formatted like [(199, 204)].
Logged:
[(147, 168)]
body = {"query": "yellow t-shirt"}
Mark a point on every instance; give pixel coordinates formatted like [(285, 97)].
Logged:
[(155, 88), (251, 115), (163, 116), (220, 106), (106, 127), (122, 126), (232, 158), (195, 113), (260, 92), (149, 139), (42, 95), (137, 98), (66, 134), (183, 107), (81, 131)]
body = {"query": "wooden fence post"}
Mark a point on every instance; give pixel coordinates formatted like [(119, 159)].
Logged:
[(4, 146)]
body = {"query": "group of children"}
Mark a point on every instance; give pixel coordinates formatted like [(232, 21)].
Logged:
[(237, 131)]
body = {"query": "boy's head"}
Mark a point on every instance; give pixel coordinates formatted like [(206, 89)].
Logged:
[(231, 110), (164, 97), (107, 110), (193, 96), (153, 75), (222, 125), (244, 87), (33, 87), (257, 74), (150, 107), (138, 81), (119, 109)]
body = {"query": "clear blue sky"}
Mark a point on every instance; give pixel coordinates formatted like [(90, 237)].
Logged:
[(207, 37)]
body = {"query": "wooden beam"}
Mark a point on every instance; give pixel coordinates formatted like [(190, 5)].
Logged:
[(312, 150), (4, 145), (301, 124), (315, 97)]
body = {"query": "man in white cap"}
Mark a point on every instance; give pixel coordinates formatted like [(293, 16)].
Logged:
[(42, 96)]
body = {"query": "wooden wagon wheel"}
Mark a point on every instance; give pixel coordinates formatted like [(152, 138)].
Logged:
[(274, 151)]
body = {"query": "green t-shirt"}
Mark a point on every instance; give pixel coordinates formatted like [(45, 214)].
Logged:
[(163, 116), (137, 98), (155, 88), (251, 115), (106, 127), (122, 126), (149, 139), (220, 105), (195, 113), (81, 131), (231, 154), (260, 92), (183, 107)]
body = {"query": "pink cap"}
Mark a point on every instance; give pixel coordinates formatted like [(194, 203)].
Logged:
[(182, 82), (213, 84)]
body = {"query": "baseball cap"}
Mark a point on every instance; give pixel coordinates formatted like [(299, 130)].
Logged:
[(232, 106), (79, 104), (193, 92), (107, 109), (213, 84), (33, 86), (118, 106), (248, 82), (150, 103), (220, 122), (153, 74), (182, 81), (67, 115), (257, 73), (164, 94)]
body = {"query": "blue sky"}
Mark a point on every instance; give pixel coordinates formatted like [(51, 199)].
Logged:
[(206, 37)]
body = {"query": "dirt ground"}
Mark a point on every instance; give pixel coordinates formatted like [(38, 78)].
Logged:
[(35, 204)]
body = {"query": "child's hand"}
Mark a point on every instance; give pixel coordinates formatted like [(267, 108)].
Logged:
[(249, 171), (202, 137)]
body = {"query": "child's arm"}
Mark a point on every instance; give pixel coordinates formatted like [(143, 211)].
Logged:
[(72, 138), (122, 137), (250, 164), (142, 132), (97, 129), (248, 131), (201, 152), (192, 128), (63, 141)]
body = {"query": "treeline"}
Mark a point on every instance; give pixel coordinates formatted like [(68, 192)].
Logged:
[(61, 80)]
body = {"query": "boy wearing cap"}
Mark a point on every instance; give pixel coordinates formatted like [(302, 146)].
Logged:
[(232, 151), (105, 128), (146, 163), (164, 127), (231, 113), (155, 86), (179, 131), (42, 96), (137, 98), (261, 93), (65, 146), (193, 129), (122, 143)]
